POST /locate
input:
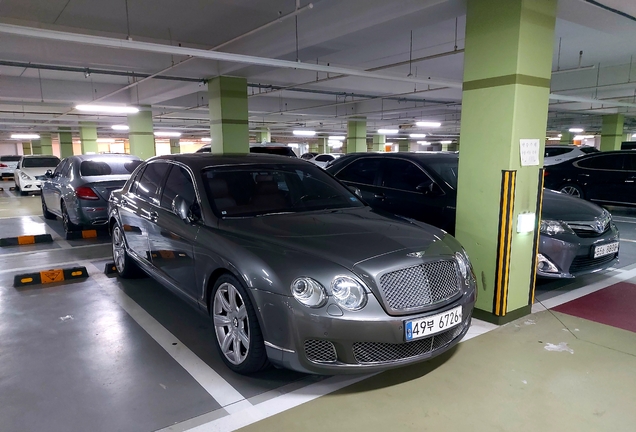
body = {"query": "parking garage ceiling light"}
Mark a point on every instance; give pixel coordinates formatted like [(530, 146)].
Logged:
[(418, 135), (25, 136), (388, 131), (576, 130), (206, 139), (634, 135), (423, 142), (428, 124), (582, 137), (446, 142), (337, 138), (120, 127), (554, 139), (109, 109), (307, 133), (168, 134)]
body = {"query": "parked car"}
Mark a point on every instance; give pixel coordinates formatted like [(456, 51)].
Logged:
[(309, 155), (323, 160), (291, 266), (29, 173), (576, 237), (608, 178), (79, 188), (8, 164), (262, 148), (555, 154)]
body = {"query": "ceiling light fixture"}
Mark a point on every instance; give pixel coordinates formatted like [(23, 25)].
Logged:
[(388, 131), (206, 139), (428, 124), (582, 137), (418, 135), (110, 109), (576, 130), (120, 127), (337, 137), (554, 139), (167, 134), (25, 136), (446, 142), (308, 133), (424, 142)]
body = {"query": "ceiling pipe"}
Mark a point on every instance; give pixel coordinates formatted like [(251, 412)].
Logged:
[(566, 98)]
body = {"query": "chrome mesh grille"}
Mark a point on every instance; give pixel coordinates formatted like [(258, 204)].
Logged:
[(320, 351), (373, 352), (421, 285)]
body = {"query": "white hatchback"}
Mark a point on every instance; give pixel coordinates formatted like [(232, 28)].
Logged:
[(8, 164), (31, 170), (323, 160), (555, 154)]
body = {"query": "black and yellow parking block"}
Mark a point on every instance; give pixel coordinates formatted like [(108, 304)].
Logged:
[(26, 240), (49, 276), (110, 268), (85, 234)]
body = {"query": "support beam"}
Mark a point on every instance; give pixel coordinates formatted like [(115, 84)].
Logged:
[(356, 136), (379, 141), (141, 134), (46, 144), (175, 146), (66, 142), (88, 137), (26, 148), (404, 146), (263, 135), (566, 137), (228, 115), (612, 132), (507, 70), (323, 145), (36, 147)]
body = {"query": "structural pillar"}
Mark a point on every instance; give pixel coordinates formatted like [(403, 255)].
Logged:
[(356, 136), (26, 148), (612, 132), (88, 137), (507, 70), (323, 145), (379, 141), (314, 147), (36, 147), (228, 115), (404, 145), (263, 135), (46, 144), (175, 146), (141, 135), (66, 142), (566, 137)]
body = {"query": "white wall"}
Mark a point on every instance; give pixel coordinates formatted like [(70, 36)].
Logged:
[(10, 148)]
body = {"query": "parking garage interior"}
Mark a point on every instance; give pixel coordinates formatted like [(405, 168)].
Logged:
[(494, 82)]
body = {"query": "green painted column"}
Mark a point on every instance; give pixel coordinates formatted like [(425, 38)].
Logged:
[(175, 146), (507, 70), (26, 148), (46, 144), (141, 135), (263, 135), (314, 147), (612, 132), (356, 136), (228, 115), (446, 147), (404, 146), (88, 137), (323, 145), (36, 147), (566, 137), (66, 142), (379, 141)]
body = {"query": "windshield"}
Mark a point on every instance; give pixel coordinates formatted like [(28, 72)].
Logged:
[(264, 189), (446, 169), (40, 162), (110, 166)]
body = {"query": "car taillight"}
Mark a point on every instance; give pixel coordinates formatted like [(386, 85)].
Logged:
[(87, 193), (545, 173), (3, 165)]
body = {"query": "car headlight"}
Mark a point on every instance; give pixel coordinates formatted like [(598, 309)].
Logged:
[(309, 292), (552, 227), (348, 293), (25, 176)]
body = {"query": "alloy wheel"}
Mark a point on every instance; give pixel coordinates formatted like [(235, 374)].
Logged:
[(231, 323), (571, 190), (119, 250)]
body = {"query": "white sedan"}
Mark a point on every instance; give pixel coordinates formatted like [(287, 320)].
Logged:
[(555, 154), (323, 160), (8, 164), (31, 170)]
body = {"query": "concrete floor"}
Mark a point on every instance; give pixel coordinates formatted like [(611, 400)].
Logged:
[(110, 354)]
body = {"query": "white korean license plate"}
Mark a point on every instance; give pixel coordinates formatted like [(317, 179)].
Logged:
[(606, 249), (430, 325)]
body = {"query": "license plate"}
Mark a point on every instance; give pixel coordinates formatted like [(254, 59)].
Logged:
[(606, 249), (430, 325)]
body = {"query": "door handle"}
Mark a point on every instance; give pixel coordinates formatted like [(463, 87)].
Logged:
[(379, 196), (124, 203)]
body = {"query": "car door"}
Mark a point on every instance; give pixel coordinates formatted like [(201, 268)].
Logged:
[(172, 239), (628, 193), (602, 177), (411, 192), (51, 188), (363, 174), (138, 208)]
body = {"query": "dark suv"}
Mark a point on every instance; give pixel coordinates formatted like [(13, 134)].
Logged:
[(267, 148)]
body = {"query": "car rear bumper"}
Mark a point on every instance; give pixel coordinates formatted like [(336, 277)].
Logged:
[(94, 215)]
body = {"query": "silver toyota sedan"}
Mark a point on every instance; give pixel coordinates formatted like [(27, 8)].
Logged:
[(292, 268)]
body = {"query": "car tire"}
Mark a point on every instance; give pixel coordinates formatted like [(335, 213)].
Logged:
[(69, 227), (45, 211), (573, 190), (125, 265), (238, 335)]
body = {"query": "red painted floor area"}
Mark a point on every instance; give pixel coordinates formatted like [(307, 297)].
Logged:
[(614, 306)]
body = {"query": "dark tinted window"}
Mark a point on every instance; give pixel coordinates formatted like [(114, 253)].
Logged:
[(110, 166), (403, 175), (59, 170), (10, 158), (605, 162), (589, 149), (40, 162), (324, 158), (362, 171), (630, 162), (179, 182), (275, 150), (446, 169), (148, 184), (556, 151)]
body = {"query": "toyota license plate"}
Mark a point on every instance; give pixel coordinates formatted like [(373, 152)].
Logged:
[(430, 325), (606, 249)]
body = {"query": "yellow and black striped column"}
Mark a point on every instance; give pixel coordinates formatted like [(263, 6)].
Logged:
[(504, 243)]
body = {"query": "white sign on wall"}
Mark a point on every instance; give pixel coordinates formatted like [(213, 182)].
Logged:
[(529, 150)]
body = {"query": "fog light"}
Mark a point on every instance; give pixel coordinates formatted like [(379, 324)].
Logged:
[(544, 265)]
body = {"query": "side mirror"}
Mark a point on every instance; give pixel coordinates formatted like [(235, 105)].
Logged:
[(182, 209), (355, 191), (48, 173)]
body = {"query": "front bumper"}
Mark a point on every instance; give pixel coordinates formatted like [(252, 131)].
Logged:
[(30, 185), (574, 256), (357, 342)]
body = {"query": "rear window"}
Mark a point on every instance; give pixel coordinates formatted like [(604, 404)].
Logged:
[(40, 162), (9, 158), (281, 151), (103, 167), (589, 149)]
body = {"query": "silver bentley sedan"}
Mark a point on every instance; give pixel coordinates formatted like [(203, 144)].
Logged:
[(291, 266)]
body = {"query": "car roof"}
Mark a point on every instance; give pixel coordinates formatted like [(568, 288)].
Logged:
[(413, 156), (203, 160), (103, 156), (40, 156)]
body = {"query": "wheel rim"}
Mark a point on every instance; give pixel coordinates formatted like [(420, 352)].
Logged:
[(119, 250), (571, 190), (65, 220), (231, 323), (44, 210)]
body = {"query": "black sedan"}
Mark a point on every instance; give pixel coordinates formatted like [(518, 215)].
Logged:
[(577, 236), (605, 177)]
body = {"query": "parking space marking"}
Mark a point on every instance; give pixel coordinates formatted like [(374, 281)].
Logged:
[(207, 377), (30, 268), (625, 221), (49, 250), (628, 240)]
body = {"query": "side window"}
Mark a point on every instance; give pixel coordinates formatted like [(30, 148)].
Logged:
[(59, 170), (556, 151), (324, 158), (403, 175), (68, 168), (630, 162), (604, 162), (148, 184), (180, 183), (135, 181), (362, 171)]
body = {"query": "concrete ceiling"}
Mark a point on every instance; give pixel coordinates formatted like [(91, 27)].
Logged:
[(41, 80)]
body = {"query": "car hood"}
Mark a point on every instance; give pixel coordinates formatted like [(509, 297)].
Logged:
[(563, 207), (345, 237), (36, 171)]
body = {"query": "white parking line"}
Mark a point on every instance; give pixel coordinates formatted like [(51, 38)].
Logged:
[(207, 377), (51, 250), (625, 221), (628, 240)]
